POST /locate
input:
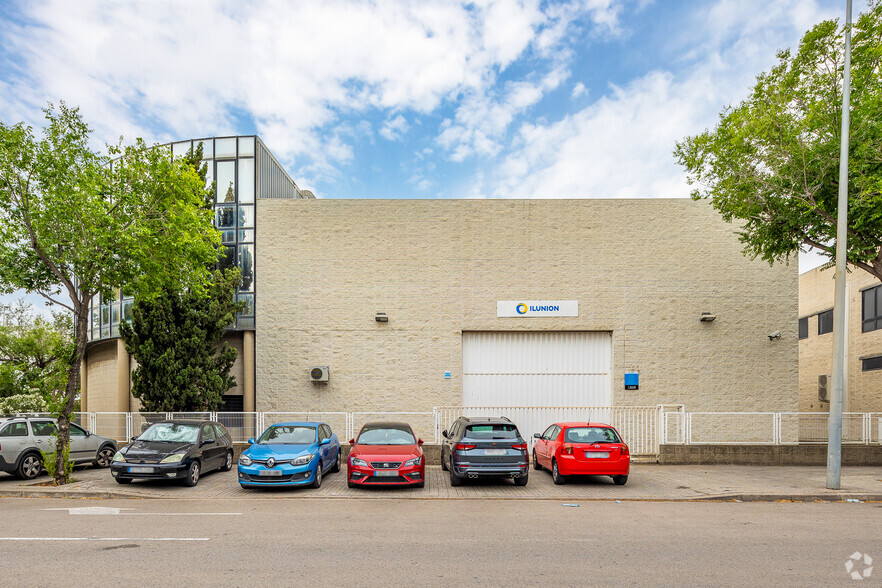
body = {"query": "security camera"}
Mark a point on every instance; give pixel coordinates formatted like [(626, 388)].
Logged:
[(775, 336)]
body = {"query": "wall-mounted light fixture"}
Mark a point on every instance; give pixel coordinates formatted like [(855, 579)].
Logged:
[(707, 317), (381, 317), (774, 337)]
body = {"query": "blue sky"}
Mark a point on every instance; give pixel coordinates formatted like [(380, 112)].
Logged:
[(412, 99)]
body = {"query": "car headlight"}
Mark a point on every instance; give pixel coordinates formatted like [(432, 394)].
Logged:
[(118, 456), (302, 460), (358, 462), (173, 458), (413, 462), (244, 460)]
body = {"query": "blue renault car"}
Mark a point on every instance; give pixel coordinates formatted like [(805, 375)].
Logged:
[(290, 454)]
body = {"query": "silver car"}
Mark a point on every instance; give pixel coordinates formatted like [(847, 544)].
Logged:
[(23, 438)]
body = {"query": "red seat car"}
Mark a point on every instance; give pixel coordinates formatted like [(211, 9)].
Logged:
[(386, 454), (592, 449)]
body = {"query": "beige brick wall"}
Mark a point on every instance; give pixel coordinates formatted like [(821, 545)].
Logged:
[(642, 269), (816, 292), (102, 378)]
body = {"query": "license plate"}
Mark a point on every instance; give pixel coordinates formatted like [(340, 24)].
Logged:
[(140, 470), (494, 452), (596, 454), (386, 473), (269, 473)]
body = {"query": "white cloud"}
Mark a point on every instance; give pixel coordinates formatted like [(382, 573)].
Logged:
[(394, 128), (579, 90)]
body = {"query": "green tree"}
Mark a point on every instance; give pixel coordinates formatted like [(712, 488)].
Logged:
[(175, 338), (773, 160), (74, 223), (33, 354)]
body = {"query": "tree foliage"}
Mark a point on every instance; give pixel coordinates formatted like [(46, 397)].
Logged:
[(74, 223), (175, 338), (773, 160), (34, 352)]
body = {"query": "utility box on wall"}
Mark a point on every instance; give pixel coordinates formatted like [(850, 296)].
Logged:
[(632, 380)]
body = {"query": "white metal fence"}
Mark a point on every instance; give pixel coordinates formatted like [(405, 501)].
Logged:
[(767, 428)]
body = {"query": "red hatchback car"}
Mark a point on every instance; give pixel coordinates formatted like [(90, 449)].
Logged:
[(386, 454), (590, 449)]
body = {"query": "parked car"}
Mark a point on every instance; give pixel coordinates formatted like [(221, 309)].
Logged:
[(290, 454), (386, 454), (582, 449), (175, 450), (23, 438), (483, 448)]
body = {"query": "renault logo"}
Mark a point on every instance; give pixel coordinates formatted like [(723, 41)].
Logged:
[(270, 462)]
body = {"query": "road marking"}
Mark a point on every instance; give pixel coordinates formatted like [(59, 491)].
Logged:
[(104, 510), (105, 539)]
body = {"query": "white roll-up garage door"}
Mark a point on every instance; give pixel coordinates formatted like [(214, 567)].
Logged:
[(537, 369)]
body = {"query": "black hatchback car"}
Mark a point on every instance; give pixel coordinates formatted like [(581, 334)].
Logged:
[(479, 447), (175, 450)]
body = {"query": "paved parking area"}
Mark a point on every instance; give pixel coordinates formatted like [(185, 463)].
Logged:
[(647, 482)]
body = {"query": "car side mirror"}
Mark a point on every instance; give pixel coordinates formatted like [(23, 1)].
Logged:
[(206, 442), (326, 441), (352, 441), (251, 441), (88, 434), (537, 436), (134, 438), (419, 442), (444, 433)]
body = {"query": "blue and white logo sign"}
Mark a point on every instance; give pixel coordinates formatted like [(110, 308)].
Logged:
[(536, 308)]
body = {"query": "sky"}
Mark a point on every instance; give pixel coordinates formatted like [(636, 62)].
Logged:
[(410, 99)]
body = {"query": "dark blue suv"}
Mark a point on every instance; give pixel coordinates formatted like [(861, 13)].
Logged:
[(482, 447)]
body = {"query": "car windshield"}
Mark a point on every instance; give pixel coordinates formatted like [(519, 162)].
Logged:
[(171, 432), (385, 436), (492, 432), (287, 435), (592, 435)]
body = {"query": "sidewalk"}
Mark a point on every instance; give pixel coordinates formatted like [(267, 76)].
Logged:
[(647, 482)]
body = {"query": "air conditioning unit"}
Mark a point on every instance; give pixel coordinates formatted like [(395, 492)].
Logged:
[(319, 373), (823, 395)]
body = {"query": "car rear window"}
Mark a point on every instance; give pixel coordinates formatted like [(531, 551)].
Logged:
[(15, 430), (592, 435), (492, 431)]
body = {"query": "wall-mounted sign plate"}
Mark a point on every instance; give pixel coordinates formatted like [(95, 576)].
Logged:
[(536, 308)]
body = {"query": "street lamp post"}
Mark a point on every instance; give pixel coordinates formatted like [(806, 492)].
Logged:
[(834, 430)]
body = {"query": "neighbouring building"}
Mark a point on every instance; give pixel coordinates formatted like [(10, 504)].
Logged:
[(863, 360)]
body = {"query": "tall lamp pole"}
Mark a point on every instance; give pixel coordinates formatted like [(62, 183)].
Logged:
[(834, 429)]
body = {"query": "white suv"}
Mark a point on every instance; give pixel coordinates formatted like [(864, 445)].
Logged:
[(23, 438)]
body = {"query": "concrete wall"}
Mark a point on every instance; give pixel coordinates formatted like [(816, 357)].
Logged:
[(769, 455), (642, 269), (816, 292)]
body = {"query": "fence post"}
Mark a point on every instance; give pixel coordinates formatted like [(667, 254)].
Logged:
[(212, 416), (93, 421), (776, 429), (128, 426), (687, 428)]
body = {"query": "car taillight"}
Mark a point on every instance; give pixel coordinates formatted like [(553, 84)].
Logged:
[(464, 446), (624, 449), (567, 448), (521, 446)]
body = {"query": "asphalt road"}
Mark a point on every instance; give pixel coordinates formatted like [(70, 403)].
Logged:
[(346, 542)]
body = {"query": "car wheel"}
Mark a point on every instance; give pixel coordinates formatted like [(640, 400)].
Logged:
[(192, 474), (521, 480), (228, 464), (336, 467), (556, 476), (444, 467), (620, 480), (104, 457), (317, 480), (123, 480), (536, 465), (454, 479), (30, 467)]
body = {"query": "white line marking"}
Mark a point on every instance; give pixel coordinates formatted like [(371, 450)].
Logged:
[(180, 514), (105, 538)]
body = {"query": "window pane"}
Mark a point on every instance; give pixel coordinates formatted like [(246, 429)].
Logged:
[(246, 236), (180, 149), (127, 310), (245, 323), (869, 304), (114, 313), (825, 322), (871, 364), (246, 216), (228, 259), (226, 178), (225, 147), (803, 328), (248, 299), (225, 217), (878, 290), (246, 180), (246, 146), (209, 174), (228, 236), (246, 266), (207, 149)]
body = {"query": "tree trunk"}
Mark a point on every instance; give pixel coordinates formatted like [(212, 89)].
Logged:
[(81, 317)]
